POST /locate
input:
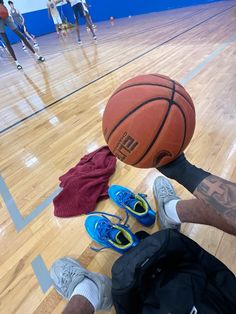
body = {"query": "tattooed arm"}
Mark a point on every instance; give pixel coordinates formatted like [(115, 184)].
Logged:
[(219, 194)]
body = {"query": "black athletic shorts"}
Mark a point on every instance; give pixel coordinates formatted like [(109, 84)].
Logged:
[(78, 10)]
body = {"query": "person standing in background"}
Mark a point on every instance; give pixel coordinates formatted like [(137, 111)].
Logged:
[(8, 21), (54, 13), (20, 23), (80, 8), (89, 16)]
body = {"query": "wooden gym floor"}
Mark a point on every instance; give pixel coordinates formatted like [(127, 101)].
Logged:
[(51, 116)]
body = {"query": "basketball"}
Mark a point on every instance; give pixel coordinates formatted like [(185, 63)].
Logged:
[(3, 12), (149, 121)]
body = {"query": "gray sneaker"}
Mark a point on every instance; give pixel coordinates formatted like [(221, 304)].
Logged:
[(163, 193), (67, 273)]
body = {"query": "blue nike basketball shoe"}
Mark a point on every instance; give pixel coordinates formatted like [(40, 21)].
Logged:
[(110, 235), (135, 205)]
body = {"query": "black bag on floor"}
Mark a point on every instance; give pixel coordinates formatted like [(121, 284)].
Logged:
[(171, 274)]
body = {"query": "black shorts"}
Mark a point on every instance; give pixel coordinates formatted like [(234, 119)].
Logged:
[(21, 28), (78, 10)]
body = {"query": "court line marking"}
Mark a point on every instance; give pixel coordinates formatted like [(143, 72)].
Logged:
[(208, 59), (20, 222), (11, 205), (42, 273), (112, 71)]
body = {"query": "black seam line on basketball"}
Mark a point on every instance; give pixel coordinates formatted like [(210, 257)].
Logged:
[(184, 138), (173, 92), (112, 71), (133, 111), (161, 126), (165, 78), (152, 84)]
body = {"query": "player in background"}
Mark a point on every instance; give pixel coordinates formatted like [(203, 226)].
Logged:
[(89, 17), (54, 13), (80, 8), (8, 22), (20, 23)]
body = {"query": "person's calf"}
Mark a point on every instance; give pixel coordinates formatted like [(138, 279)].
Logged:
[(197, 211), (220, 195), (9, 47), (25, 41), (172, 211)]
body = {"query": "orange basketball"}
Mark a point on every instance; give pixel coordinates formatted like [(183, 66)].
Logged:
[(3, 12), (148, 121)]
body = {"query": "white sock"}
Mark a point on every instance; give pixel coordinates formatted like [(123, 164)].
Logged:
[(170, 209), (36, 55), (88, 289), (17, 63)]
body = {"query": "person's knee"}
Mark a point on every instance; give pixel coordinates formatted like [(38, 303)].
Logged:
[(5, 38)]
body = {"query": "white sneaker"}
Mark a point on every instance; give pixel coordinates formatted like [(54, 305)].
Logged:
[(19, 67), (67, 273), (41, 59), (164, 192)]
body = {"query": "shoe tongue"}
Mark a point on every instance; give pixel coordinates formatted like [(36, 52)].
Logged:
[(133, 202), (113, 234)]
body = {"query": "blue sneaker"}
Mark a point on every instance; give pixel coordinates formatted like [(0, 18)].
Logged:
[(134, 204), (108, 234)]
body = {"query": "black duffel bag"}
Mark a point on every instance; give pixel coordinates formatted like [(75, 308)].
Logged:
[(169, 273)]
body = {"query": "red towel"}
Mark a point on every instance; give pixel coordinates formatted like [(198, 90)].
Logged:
[(85, 184)]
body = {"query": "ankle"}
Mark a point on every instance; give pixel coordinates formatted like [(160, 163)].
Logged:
[(171, 211), (88, 289), (78, 304)]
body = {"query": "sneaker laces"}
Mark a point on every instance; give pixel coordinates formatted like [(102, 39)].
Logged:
[(166, 190), (125, 198), (105, 226), (104, 214), (69, 274)]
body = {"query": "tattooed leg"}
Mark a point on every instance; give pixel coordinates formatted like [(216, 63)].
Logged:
[(215, 206), (197, 211), (216, 198)]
